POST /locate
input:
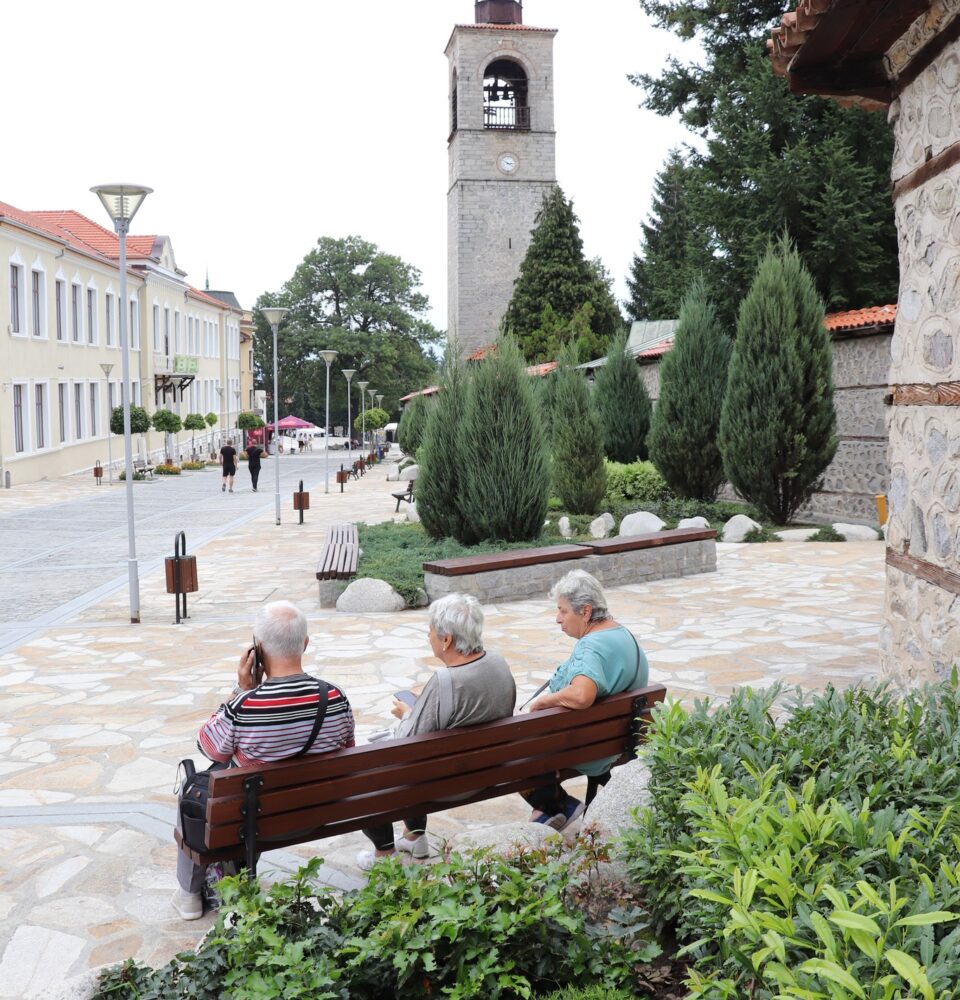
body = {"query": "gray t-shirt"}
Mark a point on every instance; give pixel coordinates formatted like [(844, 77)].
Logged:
[(483, 690)]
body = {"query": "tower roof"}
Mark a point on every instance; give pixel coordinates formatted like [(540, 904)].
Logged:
[(498, 12)]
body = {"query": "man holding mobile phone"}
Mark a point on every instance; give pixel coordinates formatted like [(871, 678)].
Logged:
[(271, 715)]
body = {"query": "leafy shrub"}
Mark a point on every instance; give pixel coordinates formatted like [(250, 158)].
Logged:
[(166, 421), (212, 464), (589, 993), (137, 477), (477, 926), (195, 422), (827, 534), (761, 534), (636, 481), (139, 420), (166, 469), (192, 466)]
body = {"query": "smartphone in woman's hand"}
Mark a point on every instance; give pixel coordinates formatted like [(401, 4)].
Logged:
[(407, 697)]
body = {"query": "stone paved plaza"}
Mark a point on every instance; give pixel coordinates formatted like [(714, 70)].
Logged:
[(97, 711)]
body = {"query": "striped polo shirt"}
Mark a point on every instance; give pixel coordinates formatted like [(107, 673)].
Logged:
[(274, 721)]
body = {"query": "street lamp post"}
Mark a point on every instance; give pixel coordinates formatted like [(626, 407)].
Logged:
[(362, 386), (379, 407), (273, 315), (106, 368), (372, 393), (348, 374), (328, 357), (121, 202)]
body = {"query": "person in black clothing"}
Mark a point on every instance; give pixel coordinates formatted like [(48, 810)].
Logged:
[(228, 456), (254, 451)]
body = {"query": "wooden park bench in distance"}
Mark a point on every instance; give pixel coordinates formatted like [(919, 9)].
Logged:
[(405, 497), (252, 809)]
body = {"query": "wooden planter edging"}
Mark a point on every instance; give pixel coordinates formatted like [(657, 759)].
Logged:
[(617, 561)]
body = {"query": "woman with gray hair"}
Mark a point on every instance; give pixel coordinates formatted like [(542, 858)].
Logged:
[(471, 687), (606, 660)]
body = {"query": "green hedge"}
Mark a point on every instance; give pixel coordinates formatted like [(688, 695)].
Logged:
[(636, 481)]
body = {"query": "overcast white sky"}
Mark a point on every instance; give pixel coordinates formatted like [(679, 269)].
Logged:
[(262, 126)]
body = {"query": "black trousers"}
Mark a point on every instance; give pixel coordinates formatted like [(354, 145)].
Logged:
[(550, 798), (382, 836), (254, 475)]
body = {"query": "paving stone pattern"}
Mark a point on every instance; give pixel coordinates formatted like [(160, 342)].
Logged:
[(97, 711)]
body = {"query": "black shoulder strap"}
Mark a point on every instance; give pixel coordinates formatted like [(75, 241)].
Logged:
[(318, 721)]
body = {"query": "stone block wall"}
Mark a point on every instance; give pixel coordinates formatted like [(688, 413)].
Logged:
[(921, 635), (662, 562)]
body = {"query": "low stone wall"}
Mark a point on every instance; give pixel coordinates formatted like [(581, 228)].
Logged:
[(662, 557)]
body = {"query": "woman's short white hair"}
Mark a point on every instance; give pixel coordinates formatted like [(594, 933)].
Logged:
[(460, 617), (281, 629), (578, 588)]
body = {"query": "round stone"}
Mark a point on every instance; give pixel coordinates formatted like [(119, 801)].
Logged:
[(370, 596)]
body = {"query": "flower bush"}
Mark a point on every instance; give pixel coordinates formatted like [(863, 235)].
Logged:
[(166, 469)]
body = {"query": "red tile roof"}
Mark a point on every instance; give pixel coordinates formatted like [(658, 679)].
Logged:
[(538, 371), (857, 319), (195, 293), (656, 351), (482, 352), (429, 391), (504, 27)]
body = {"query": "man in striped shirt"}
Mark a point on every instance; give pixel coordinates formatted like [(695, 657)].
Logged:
[(270, 716)]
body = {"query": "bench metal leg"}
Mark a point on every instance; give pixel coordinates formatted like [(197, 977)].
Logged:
[(250, 811)]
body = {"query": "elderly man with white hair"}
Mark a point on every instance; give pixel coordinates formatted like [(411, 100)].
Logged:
[(473, 686), (270, 716), (606, 660)]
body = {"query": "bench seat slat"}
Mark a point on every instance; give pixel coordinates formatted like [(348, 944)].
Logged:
[(510, 559), (654, 539), (462, 765), (425, 747)]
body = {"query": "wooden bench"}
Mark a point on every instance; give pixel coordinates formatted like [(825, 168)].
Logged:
[(406, 497), (144, 469), (338, 562), (511, 559), (252, 809)]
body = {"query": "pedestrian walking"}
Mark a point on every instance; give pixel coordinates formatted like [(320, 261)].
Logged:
[(228, 456), (254, 451)]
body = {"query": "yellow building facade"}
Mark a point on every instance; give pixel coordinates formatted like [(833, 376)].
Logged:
[(60, 354)]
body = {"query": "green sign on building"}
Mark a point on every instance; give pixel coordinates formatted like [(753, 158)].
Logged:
[(184, 364)]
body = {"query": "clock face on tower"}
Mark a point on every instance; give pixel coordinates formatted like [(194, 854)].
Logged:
[(508, 162)]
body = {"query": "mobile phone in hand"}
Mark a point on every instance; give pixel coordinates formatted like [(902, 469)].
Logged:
[(256, 670), (407, 697)]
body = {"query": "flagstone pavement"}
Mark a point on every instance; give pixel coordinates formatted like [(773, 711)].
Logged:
[(98, 711)]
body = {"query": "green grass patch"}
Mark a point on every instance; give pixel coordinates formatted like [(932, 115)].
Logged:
[(827, 534)]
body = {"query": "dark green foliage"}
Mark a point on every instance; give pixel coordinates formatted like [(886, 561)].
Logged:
[(375, 417), (349, 296), (761, 534), (166, 421), (505, 470), (847, 806), (139, 420), (477, 926), (438, 478), (579, 475), (674, 244), (773, 162), (693, 378), (589, 993), (245, 421), (623, 405), (211, 419), (195, 422), (636, 481), (413, 422), (827, 534), (559, 296), (777, 425)]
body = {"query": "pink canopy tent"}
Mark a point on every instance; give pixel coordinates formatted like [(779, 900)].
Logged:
[(292, 423)]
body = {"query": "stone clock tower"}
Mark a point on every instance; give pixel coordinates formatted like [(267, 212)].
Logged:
[(502, 161)]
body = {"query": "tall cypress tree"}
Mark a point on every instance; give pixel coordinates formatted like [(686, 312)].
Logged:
[(505, 481), (693, 378), (413, 422), (579, 473), (778, 424), (439, 476), (555, 273), (623, 405)]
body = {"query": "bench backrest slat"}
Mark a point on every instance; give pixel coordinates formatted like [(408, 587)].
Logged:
[(321, 767)]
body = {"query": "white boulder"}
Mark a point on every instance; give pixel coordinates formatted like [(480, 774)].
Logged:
[(640, 523), (602, 526), (410, 472), (412, 514), (563, 526), (856, 532), (625, 791), (393, 472), (738, 527), (694, 522), (368, 596), (796, 534), (504, 839)]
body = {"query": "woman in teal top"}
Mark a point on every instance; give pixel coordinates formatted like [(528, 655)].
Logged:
[(606, 660)]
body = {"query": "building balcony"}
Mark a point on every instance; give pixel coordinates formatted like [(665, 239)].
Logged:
[(507, 118)]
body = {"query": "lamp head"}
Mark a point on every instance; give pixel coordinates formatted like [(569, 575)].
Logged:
[(329, 357), (362, 385), (121, 200), (105, 367), (379, 398), (348, 373), (274, 314)]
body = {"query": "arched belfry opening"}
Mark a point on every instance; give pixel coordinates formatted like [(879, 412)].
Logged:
[(505, 104)]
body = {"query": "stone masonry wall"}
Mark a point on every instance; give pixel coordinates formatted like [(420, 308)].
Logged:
[(921, 636), (616, 569)]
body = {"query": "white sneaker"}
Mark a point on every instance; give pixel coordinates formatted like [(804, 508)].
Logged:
[(415, 846), (188, 904)]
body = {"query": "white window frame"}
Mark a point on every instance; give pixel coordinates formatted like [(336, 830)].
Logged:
[(41, 416), (76, 312), (133, 327), (17, 322), (21, 430), (156, 327), (93, 399), (79, 403), (92, 315), (38, 306), (109, 317), (61, 314), (63, 411), (177, 345)]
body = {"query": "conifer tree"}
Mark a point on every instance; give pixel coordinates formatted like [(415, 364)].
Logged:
[(623, 405), (579, 473), (413, 422), (438, 479), (505, 471), (778, 424), (555, 273), (693, 378)]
